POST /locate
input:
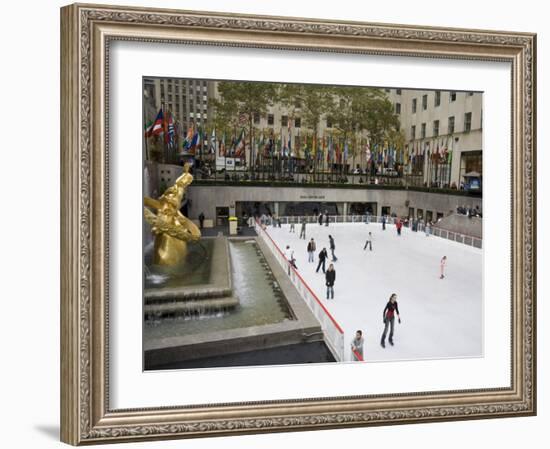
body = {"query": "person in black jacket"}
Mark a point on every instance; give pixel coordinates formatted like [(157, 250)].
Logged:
[(330, 277), (332, 248), (388, 316), (323, 255)]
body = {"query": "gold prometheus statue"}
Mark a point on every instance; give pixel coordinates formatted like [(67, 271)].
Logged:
[(172, 230)]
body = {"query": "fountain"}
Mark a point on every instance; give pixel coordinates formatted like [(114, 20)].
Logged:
[(217, 301)]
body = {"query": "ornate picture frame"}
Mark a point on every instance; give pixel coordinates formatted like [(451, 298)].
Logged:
[(87, 32)]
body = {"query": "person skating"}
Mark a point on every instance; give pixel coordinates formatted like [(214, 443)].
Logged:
[(330, 277), (289, 256), (398, 226), (303, 229), (292, 227), (383, 222), (388, 316), (442, 265), (320, 219), (368, 242), (201, 220), (323, 255), (357, 346), (326, 218), (332, 248), (311, 247)]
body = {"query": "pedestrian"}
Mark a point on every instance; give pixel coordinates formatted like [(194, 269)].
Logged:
[(292, 225), (323, 255), (357, 346), (201, 220), (398, 226), (289, 256), (326, 218), (303, 229), (368, 242), (442, 265), (388, 316), (332, 248), (330, 277), (383, 222), (320, 219), (311, 247)]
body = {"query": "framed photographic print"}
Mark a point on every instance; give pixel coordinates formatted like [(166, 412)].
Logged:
[(292, 224)]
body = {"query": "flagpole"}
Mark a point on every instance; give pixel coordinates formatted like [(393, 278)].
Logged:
[(145, 137)]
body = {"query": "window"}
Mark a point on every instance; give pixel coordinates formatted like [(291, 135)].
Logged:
[(452, 96), (424, 102), (297, 122), (423, 131), (467, 122), (398, 108), (414, 106), (451, 125), (413, 132), (256, 118), (270, 119), (437, 98), (387, 90), (398, 91), (169, 88), (284, 120), (436, 128)]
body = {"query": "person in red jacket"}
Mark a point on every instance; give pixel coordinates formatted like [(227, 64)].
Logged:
[(398, 226), (388, 316)]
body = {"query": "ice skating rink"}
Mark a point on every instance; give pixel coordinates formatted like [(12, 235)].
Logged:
[(439, 318)]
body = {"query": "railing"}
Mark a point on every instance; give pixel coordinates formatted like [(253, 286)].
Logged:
[(465, 239), (334, 334), (458, 237), (356, 356)]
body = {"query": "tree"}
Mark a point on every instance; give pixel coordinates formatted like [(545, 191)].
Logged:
[(240, 101)]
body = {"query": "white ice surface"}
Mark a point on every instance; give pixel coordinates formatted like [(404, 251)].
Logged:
[(439, 318)]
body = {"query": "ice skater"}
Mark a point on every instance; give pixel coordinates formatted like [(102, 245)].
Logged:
[(311, 247), (357, 346), (330, 277), (368, 242), (427, 229), (289, 256), (383, 222), (320, 219), (292, 229), (398, 226), (326, 218), (323, 255), (303, 228), (332, 248), (442, 265), (388, 316)]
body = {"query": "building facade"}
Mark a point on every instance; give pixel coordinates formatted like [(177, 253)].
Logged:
[(441, 122)]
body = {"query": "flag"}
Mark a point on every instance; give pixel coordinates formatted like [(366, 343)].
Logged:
[(158, 124), (239, 145), (171, 134), (222, 146), (213, 149), (149, 129)]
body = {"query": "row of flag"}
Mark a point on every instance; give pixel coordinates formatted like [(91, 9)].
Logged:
[(329, 148)]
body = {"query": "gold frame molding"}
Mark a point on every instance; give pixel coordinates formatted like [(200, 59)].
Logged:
[(86, 32)]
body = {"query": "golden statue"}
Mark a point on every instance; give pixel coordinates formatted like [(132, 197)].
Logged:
[(171, 229)]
